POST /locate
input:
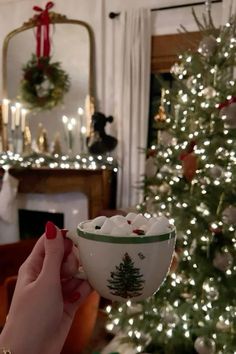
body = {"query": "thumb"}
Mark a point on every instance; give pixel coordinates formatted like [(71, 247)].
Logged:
[(54, 252)]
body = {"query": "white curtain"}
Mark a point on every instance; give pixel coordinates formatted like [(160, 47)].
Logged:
[(129, 75)]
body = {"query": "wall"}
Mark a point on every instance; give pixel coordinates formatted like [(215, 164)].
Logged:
[(163, 22)]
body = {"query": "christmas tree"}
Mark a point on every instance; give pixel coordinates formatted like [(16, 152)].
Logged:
[(126, 281), (195, 184)]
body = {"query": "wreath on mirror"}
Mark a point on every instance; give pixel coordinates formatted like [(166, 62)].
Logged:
[(44, 84)]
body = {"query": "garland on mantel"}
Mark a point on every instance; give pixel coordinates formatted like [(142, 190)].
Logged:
[(79, 162)]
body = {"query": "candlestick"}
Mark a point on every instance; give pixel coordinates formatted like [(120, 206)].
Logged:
[(13, 117), (18, 114), (24, 113), (70, 137), (5, 105)]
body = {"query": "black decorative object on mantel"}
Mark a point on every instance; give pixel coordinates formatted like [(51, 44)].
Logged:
[(99, 142)]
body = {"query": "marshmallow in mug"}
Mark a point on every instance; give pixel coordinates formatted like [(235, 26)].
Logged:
[(131, 224)]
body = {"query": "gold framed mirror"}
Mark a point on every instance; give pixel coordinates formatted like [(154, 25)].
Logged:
[(73, 47)]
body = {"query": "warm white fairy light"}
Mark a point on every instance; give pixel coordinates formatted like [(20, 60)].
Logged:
[(130, 333), (110, 327)]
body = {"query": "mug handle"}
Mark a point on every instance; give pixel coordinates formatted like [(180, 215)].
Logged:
[(81, 273)]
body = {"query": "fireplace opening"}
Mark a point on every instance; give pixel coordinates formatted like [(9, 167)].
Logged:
[(32, 223)]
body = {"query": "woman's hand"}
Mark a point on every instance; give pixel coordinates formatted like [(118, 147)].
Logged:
[(46, 297)]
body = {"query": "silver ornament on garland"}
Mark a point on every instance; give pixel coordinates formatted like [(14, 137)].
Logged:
[(216, 171), (228, 114), (223, 260), (210, 289), (204, 345), (169, 316), (209, 92), (164, 188), (165, 138), (150, 167), (207, 46), (229, 215), (223, 325), (177, 69)]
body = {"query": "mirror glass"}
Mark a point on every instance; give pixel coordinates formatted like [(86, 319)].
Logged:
[(70, 45)]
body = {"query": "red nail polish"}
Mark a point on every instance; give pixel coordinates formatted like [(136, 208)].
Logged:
[(50, 230), (64, 232), (73, 297)]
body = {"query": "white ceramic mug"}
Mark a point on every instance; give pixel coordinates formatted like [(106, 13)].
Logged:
[(125, 267)]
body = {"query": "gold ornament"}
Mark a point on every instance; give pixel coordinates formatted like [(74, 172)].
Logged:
[(27, 140), (56, 150), (42, 141), (161, 115)]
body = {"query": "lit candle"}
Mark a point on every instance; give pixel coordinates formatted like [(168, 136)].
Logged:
[(18, 111), (5, 104), (13, 117), (64, 119), (23, 118), (80, 111)]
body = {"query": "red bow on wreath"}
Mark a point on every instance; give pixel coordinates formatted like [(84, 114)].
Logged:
[(189, 161), (43, 21)]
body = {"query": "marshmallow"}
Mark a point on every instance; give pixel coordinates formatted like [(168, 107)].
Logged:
[(151, 221), (118, 219), (139, 220), (131, 216), (99, 221), (88, 226), (123, 230), (107, 226), (161, 226)]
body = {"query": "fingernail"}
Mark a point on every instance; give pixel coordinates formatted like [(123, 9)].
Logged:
[(73, 297), (64, 232), (50, 230)]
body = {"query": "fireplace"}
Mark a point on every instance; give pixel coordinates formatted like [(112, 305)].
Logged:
[(33, 210), (38, 220), (76, 194)]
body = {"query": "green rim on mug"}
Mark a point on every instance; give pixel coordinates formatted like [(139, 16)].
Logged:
[(124, 239)]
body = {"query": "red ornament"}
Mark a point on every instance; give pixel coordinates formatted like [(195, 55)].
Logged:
[(190, 165)]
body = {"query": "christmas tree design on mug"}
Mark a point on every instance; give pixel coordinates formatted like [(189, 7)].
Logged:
[(126, 281)]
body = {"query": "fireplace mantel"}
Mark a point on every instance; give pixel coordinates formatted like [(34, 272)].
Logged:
[(98, 185)]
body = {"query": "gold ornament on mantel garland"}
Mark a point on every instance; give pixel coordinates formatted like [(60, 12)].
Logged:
[(56, 149), (161, 115), (27, 141), (42, 140)]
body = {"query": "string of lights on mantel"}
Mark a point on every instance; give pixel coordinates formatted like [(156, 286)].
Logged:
[(79, 162)]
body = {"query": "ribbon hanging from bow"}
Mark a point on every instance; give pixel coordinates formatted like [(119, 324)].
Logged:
[(43, 22), (227, 102)]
